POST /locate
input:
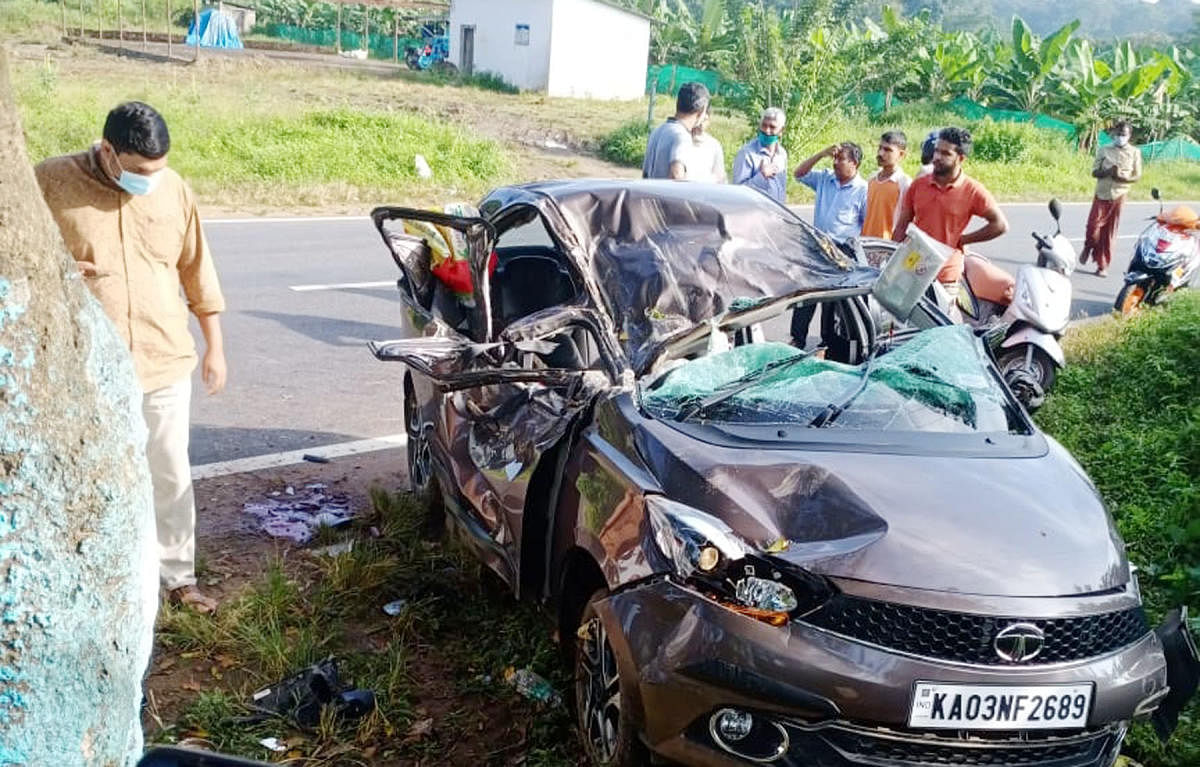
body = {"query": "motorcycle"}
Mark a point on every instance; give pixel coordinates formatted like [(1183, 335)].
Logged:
[(1025, 317), (1165, 259)]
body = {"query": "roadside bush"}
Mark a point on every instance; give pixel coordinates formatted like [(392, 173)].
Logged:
[(627, 144), (1002, 141), (490, 81), (1128, 407)]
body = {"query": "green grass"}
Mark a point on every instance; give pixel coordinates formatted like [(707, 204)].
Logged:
[(256, 143), (305, 609), (42, 20), (1128, 407)]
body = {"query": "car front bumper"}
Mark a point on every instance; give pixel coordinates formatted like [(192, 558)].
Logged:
[(839, 701)]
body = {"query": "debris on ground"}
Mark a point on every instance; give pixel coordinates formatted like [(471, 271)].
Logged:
[(297, 515), (422, 728), (396, 607), (273, 744), (302, 696), (532, 686), (312, 458), (333, 550)]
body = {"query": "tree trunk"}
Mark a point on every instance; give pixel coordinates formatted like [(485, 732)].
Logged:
[(77, 542)]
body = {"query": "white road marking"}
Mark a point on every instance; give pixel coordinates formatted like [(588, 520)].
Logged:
[(343, 285), (280, 219), (275, 460)]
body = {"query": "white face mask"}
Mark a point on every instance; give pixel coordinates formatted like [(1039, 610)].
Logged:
[(136, 183), (1121, 140)]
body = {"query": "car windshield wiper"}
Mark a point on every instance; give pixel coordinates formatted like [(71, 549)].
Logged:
[(739, 385), (833, 410)]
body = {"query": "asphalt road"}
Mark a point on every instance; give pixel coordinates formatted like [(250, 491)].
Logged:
[(305, 295)]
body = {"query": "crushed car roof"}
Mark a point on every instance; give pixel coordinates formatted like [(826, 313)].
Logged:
[(668, 255)]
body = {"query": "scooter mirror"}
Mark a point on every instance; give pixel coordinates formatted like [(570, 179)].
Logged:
[(1154, 193), (1055, 209)]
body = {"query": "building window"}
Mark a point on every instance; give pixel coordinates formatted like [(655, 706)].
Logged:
[(522, 37)]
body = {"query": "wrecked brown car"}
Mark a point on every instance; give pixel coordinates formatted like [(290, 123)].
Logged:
[(859, 554)]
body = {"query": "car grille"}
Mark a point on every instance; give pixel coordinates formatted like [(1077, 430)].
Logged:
[(966, 638), (857, 747)]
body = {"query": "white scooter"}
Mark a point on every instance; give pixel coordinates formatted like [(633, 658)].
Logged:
[(1027, 315)]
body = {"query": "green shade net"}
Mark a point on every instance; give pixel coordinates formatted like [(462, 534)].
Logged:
[(937, 381), (669, 77), (974, 111), (379, 46), (1178, 148)]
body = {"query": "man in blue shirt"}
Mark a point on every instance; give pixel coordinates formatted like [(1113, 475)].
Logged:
[(840, 210), (762, 163), (841, 193)]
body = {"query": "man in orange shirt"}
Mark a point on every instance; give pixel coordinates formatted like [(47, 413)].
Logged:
[(886, 186), (942, 203)]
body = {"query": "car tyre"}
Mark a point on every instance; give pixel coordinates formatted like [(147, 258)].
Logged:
[(421, 478), (606, 731)]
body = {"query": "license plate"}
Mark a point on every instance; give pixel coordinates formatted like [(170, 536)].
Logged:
[(995, 707)]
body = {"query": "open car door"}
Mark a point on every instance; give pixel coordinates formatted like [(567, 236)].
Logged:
[(492, 405)]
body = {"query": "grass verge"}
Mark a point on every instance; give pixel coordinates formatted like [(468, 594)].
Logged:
[(252, 144), (1128, 407), (436, 669)]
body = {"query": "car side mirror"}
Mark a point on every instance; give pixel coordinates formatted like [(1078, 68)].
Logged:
[(1154, 193), (912, 268), (1055, 209)]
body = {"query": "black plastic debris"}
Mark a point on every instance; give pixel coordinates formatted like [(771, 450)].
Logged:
[(303, 696)]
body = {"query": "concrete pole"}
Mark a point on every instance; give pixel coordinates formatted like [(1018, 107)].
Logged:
[(367, 29), (168, 29), (145, 31), (120, 30), (79, 554), (338, 41), (63, 3), (395, 37), (81, 18), (196, 26), (99, 19)]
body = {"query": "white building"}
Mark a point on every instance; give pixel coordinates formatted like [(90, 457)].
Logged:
[(581, 48)]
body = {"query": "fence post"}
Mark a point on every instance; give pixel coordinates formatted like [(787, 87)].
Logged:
[(99, 20), (81, 19), (145, 31), (396, 38), (674, 74), (653, 98), (64, 16), (338, 34), (120, 30), (168, 29), (196, 26), (367, 30)]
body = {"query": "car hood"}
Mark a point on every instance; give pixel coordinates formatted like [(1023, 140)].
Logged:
[(1004, 526)]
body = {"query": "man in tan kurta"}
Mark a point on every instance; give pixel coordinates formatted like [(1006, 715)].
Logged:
[(1117, 166), (132, 225)]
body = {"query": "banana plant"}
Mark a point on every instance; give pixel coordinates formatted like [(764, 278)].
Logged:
[(1025, 83)]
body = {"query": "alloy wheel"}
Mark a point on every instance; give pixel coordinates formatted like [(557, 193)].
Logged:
[(420, 460), (598, 691)]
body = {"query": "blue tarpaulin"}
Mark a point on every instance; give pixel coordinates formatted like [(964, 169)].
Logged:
[(217, 30)]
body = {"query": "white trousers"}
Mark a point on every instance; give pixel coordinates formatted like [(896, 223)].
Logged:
[(167, 413)]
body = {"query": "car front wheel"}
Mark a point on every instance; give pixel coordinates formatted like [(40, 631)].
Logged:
[(609, 736), (421, 478)]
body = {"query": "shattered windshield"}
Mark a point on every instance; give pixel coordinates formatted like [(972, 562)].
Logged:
[(938, 381)]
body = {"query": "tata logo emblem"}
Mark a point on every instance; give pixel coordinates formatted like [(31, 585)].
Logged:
[(1019, 642)]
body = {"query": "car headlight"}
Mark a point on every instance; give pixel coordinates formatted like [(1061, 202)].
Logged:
[(705, 553)]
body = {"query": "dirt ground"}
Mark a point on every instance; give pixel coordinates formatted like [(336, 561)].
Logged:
[(453, 713)]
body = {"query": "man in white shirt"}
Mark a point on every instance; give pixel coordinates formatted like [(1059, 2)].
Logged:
[(708, 156), (670, 147), (762, 163)]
